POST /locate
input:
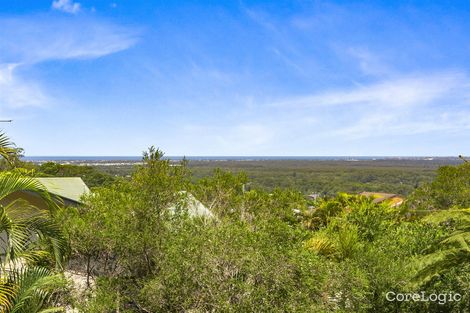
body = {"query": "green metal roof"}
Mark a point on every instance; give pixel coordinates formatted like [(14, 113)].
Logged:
[(71, 188)]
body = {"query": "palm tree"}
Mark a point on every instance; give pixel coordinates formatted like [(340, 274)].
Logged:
[(20, 221), (29, 289), (27, 234), (8, 151)]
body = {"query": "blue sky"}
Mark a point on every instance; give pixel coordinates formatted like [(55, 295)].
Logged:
[(236, 77)]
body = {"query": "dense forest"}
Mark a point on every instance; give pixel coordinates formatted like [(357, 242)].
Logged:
[(325, 177), (330, 177), (261, 250)]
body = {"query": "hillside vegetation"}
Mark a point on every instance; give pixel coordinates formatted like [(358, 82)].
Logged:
[(263, 250), (326, 177)]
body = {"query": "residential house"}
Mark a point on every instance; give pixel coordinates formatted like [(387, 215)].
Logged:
[(68, 190)]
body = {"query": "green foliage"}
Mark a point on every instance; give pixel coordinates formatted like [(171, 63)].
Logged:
[(322, 245), (326, 177), (121, 230), (265, 249), (451, 188), (249, 258), (315, 176), (446, 261), (9, 153), (347, 289), (324, 209), (340, 242), (452, 250), (376, 245), (30, 238), (233, 268), (222, 192), (19, 220), (370, 218), (32, 289)]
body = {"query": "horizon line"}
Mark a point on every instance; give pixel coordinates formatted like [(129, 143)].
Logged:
[(248, 156)]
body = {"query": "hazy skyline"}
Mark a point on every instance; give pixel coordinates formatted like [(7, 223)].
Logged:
[(236, 78)]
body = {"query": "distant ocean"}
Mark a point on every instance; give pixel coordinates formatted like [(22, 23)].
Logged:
[(226, 158)]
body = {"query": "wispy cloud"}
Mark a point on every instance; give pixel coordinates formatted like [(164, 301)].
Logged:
[(15, 92), (260, 18), (377, 125), (370, 63), (280, 44), (67, 6), (42, 38), (402, 106), (29, 40), (397, 92)]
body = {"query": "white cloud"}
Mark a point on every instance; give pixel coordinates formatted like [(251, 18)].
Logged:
[(370, 63), (402, 106), (28, 41), (15, 92), (261, 19), (42, 38), (67, 6), (399, 92), (380, 125)]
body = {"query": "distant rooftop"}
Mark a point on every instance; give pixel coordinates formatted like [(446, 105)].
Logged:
[(71, 188), (394, 199), (193, 206)]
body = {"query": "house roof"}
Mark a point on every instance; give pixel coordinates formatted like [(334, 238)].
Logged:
[(382, 196), (71, 188), (377, 194), (193, 206)]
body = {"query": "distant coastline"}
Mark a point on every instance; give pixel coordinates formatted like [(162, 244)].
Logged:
[(73, 159)]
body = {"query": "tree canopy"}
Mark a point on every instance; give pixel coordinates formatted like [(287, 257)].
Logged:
[(140, 250)]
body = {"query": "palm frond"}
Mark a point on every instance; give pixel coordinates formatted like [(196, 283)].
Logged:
[(32, 289), (452, 251), (26, 226), (6, 293), (52, 310), (7, 148), (440, 262), (13, 182), (321, 245), (16, 234)]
